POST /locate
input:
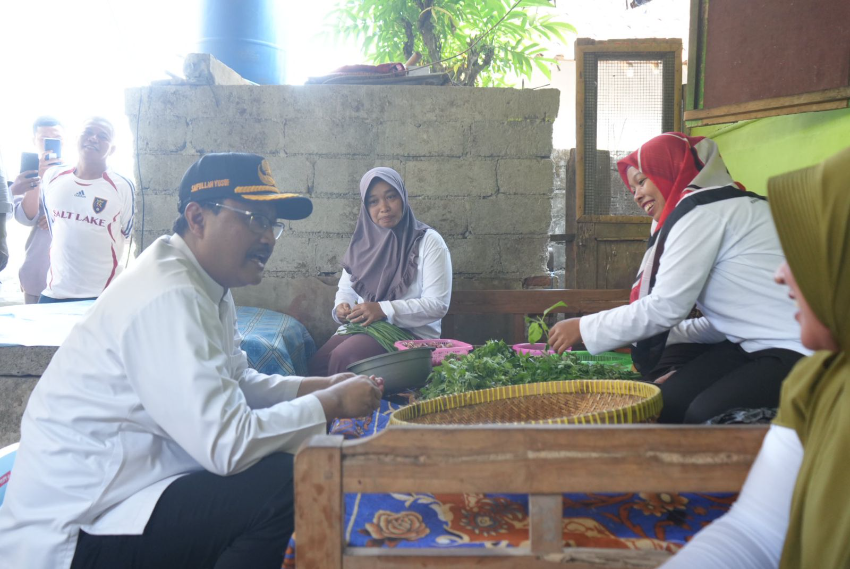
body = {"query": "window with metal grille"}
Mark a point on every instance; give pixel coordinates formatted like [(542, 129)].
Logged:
[(625, 97)]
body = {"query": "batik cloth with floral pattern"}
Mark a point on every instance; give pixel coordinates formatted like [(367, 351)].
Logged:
[(638, 520)]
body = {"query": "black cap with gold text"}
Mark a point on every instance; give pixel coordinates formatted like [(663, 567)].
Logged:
[(239, 176)]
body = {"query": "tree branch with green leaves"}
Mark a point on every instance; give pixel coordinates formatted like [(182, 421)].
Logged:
[(493, 40)]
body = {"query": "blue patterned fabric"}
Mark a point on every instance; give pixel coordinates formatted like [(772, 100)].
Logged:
[(274, 342)]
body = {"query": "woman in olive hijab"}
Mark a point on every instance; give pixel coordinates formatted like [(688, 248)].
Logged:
[(794, 509)]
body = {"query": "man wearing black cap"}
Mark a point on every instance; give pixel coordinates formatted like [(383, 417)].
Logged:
[(148, 441)]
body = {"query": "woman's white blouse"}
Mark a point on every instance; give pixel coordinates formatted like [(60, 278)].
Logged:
[(722, 257), (423, 305)]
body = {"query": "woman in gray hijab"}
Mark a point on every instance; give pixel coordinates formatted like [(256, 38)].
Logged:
[(396, 269)]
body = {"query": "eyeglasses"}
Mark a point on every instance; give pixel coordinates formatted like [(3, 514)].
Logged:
[(257, 223)]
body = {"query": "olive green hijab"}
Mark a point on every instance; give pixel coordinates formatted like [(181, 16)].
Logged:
[(811, 208)]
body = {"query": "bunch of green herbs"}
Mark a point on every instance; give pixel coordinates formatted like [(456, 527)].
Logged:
[(382, 331), (496, 365)]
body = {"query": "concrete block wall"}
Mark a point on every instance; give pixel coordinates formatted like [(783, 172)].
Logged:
[(476, 162)]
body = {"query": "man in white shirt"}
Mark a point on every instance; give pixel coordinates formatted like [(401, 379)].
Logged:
[(148, 441), (90, 211)]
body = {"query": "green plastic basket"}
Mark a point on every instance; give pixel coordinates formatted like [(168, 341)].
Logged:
[(624, 360)]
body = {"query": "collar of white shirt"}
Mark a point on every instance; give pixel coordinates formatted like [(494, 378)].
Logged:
[(215, 291)]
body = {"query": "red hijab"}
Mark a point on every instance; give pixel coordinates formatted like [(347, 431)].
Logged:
[(677, 164)]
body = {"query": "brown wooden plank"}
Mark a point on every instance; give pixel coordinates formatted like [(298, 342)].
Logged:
[(546, 523), (552, 459), (813, 55), (318, 503), (693, 56), (630, 45), (841, 93), (617, 261), (514, 558), (570, 216), (677, 96), (535, 301), (751, 115), (586, 256)]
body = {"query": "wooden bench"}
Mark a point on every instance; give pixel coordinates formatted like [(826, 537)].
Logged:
[(519, 303), (541, 461)]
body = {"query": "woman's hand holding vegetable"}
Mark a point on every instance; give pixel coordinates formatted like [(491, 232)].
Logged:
[(342, 311), (565, 334), (366, 313)]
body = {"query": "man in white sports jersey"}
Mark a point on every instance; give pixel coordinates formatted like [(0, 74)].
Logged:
[(90, 212)]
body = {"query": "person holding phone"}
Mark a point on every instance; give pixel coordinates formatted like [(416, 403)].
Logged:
[(25, 195), (90, 211)]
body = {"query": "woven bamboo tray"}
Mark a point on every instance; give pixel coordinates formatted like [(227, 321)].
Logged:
[(579, 401)]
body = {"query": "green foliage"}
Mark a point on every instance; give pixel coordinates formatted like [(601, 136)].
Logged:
[(495, 365), (537, 327), (392, 30)]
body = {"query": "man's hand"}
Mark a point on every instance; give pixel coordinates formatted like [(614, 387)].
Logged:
[(342, 311), (366, 313), (355, 396), (45, 163), (23, 184), (565, 334)]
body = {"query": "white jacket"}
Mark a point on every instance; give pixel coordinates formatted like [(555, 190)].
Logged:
[(149, 386)]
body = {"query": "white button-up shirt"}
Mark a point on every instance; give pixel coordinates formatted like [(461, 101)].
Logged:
[(149, 386)]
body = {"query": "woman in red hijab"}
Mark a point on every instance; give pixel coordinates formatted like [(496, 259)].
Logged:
[(714, 247)]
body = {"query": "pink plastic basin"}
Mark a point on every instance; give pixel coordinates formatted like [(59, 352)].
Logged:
[(533, 349), (442, 348)]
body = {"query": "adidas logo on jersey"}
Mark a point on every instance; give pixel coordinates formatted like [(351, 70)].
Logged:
[(80, 194)]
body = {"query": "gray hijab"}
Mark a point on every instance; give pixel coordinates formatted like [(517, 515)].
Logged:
[(380, 260)]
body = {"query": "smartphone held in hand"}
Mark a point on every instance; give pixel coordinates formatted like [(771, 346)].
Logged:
[(29, 161), (53, 147)]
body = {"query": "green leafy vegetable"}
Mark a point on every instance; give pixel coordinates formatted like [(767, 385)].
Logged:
[(495, 365), (537, 326), (385, 333)]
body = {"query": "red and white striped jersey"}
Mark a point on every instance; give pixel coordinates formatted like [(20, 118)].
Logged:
[(90, 220)]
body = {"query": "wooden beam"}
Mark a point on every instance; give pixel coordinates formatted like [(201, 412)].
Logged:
[(546, 523), (572, 558), (771, 107), (752, 115), (579, 301), (630, 45), (318, 503), (552, 459), (579, 161)]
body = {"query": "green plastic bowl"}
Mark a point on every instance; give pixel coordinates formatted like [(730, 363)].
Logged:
[(405, 369)]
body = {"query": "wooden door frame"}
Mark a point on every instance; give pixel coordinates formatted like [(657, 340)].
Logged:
[(584, 45)]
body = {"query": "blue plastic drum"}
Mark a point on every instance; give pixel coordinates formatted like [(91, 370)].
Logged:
[(244, 35)]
